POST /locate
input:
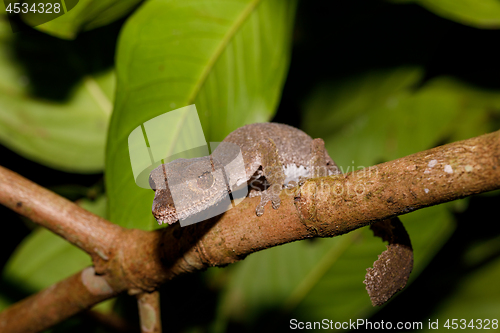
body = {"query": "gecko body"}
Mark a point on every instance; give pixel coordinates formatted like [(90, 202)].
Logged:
[(274, 155)]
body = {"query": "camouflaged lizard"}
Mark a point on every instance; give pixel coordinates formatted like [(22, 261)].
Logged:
[(275, 155)]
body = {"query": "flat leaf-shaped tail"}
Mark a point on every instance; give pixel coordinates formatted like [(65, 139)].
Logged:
[(391, 271)]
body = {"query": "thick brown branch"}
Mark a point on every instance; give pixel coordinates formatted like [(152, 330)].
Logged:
[(336, 205), (89, 232), (322, 207)]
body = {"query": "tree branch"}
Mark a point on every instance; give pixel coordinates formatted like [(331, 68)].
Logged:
[(336, 205), (322, 207), (56, 303), (89, 232)]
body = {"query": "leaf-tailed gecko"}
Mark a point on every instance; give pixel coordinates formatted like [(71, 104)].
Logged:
[(274, 155)]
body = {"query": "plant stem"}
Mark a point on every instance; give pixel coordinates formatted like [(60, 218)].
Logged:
[(56, 303), (149, 312), (89, 232)]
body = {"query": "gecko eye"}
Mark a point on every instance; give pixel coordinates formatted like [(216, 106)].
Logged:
[(205, 181)]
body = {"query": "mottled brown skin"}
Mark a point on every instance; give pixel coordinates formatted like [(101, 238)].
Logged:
[(391, 271), (266, 148), (293, 145)]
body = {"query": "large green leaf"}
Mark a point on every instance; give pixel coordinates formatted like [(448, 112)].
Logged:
[(68, 135), (86, 15), (477, 13), (228, 58)]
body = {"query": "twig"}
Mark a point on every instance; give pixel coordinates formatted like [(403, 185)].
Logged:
[(56, 303), (149, 312), (322, 207), (89, 232)]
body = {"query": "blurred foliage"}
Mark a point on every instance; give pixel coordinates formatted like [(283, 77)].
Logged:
[(377, 80), (85, 15), (67, 131), (390, 112)]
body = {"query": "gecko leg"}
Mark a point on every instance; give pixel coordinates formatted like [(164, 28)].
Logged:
[(272, 169), (321, 164)]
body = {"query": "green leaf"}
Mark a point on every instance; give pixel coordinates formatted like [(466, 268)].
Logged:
[(86, 15), (311, 280), (68, 135), (42, 259), (228, 58), (483, 14)]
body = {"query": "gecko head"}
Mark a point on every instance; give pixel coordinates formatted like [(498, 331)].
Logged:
[(185, 187)]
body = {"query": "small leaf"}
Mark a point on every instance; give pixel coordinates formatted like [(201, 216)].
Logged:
[(85, 15), (44, 258), (483, 14)]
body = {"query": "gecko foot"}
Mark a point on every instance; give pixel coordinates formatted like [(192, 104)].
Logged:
[(302, 180), (267, 196)]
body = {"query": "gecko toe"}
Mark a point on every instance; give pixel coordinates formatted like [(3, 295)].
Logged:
[(260, 210), (264, 199), (276, 203)]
